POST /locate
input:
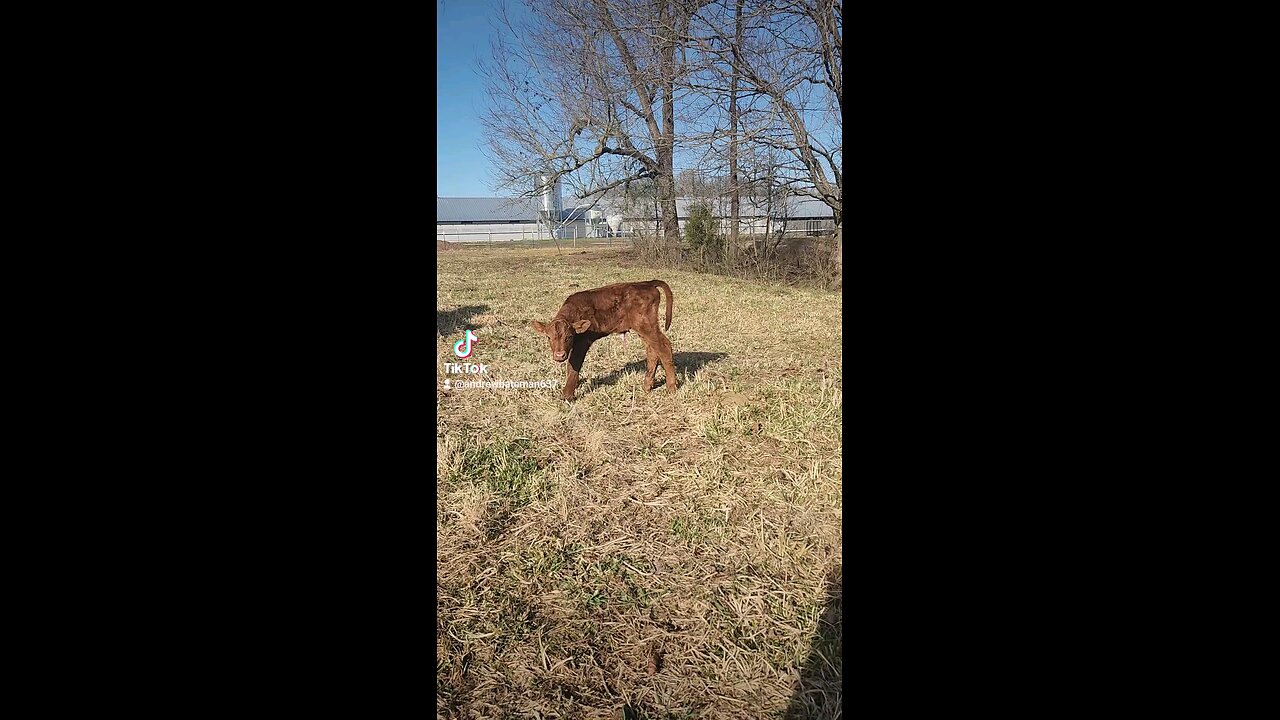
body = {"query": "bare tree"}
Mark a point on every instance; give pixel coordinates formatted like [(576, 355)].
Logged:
[(789, 53), (585, 91), (609, 93)]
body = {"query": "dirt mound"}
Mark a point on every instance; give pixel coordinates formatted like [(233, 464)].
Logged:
[(443, 245)]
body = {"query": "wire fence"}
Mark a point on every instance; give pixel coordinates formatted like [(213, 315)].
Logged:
[(570, 235), (759, 241)]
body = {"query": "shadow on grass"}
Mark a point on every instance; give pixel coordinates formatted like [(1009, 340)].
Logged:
[(452, 321), (687, 366), (819, 693)]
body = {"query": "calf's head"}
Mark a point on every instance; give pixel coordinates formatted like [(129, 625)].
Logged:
[(561, 333)]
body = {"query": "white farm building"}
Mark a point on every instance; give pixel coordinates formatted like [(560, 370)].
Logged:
[(502, 220)]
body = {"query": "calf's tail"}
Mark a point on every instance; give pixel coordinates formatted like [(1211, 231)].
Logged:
[(671, 300)]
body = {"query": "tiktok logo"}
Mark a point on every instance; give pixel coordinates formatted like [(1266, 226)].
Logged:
[(462, 348)]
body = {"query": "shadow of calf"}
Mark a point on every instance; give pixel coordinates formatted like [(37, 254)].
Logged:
[(687, 366), (451, 321), (819, 693)]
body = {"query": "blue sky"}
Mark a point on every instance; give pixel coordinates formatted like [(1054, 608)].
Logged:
[(463, 29), (462, 36)]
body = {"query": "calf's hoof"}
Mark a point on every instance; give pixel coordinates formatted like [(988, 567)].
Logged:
[(671, 388)]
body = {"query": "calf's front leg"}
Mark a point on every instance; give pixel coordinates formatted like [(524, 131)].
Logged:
[(579, 353)]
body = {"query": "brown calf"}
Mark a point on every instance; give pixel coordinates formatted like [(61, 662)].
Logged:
[(590, 315)]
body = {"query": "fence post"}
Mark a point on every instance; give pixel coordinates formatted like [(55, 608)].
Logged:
[(490, 238)]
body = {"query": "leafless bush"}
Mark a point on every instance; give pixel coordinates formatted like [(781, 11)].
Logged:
[(818, 261), (778, 259), (656, 251)]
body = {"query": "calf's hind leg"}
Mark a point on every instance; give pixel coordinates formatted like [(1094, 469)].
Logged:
[(651, 359), (668, 362), (658, 344)]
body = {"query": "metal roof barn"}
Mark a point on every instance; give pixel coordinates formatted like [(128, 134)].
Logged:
[(452, 210)]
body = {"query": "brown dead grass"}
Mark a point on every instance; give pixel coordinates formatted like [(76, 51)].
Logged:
[(659, 556)]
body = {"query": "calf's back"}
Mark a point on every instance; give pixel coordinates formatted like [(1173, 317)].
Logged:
[(619, 307)]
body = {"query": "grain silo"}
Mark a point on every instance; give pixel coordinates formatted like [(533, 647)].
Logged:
[(548, 188)]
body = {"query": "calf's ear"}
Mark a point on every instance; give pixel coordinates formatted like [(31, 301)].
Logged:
[(581, 326), (539, 327)]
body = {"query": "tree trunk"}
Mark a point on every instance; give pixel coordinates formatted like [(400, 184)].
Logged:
[(667, 181), (734, 207), (768, 214), (667, 206), (839, 252)]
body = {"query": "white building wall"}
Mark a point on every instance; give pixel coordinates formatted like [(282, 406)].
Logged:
[(746, 226), (507, 232), (497, 232)]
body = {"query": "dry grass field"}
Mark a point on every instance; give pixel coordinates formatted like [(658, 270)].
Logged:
[(632, 554)]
